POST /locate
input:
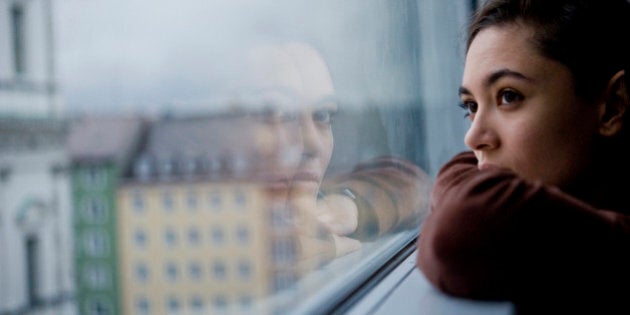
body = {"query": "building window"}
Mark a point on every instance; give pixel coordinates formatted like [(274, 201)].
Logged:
[(94, 177), (283, 251), (94, 209), (32, 267), (242, 235), (143, 168), (167, 201), (191, 200), (280, 218), (246, 302), (217, 235), (240, 199), (19, 40), (140, 238), (196, 304), (143, 307), (171, 272), (215, 200), (137, 201), (283, 280), (142, 272), (193, 236), (97, 277), (220, 303), (166, 167), (245, 270), (194, 270), (188, 166), (170, 238), (99, 306), (219, 271), (96, 243), (172, 305)]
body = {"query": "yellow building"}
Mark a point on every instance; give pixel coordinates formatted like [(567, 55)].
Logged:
[(191, 243)]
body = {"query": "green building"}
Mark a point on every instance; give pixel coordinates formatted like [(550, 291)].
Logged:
[(99, 153)]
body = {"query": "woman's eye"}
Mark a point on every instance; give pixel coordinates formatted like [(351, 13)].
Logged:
[(323, 116), (510, 96), (273, 115), (470, 107)]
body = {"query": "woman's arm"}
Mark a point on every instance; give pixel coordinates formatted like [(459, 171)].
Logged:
[(492, 235), (390, 194)]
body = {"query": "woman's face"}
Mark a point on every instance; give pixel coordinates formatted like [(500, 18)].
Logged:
[(317, 146), (295, 83), (524, 112)]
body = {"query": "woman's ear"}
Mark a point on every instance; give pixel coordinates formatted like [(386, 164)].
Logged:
[(614, 106)]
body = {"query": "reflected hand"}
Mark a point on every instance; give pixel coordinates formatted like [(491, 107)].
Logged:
[(339, 213), (322, 226)]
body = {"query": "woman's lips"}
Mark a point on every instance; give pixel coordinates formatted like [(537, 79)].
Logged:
[(274, 181)]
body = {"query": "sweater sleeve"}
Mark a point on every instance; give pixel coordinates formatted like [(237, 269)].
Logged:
[(493, 235), (391, 194)]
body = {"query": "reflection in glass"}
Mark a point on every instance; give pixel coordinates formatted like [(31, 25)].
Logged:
[(229, 156)]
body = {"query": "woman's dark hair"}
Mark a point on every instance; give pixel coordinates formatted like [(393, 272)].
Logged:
[(590, 37)]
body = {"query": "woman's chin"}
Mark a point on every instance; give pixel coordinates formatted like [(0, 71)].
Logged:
[(304, 188)]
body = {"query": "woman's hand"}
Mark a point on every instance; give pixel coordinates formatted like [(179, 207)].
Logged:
[(339, 213)]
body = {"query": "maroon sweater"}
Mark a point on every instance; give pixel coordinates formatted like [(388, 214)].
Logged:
[(492, 235)]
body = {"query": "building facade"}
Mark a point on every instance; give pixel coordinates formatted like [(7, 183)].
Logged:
[(99, 150), (198, 233), (193, 248), (35, 239), (35, 235), (27, 66)]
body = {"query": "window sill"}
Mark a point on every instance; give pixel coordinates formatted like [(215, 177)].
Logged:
[(406, 291)]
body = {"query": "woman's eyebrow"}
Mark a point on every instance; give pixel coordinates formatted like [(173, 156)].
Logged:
[(464, 91), (495, 76), (328, 101)]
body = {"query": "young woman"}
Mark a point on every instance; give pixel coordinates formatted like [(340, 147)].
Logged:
[(538, 212)]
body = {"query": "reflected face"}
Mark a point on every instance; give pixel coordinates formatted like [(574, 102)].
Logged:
[(295, 147), (317, 145), (277, 147), (294, 90), (524, 112)]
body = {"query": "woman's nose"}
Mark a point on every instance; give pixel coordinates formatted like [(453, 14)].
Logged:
[(310, 138), (482, 134)]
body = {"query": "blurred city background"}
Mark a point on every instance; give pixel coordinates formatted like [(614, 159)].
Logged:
[(126, 160)]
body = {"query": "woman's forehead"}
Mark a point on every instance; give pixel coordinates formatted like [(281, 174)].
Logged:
[(498, 48), (295, 70)]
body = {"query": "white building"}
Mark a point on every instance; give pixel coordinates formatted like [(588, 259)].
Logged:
[(36, 269), (36, 272), (27, 67)]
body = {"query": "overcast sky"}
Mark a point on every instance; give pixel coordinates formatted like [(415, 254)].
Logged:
[(122, 55)]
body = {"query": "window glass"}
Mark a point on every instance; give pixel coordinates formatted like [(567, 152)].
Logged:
[(142, 306), (257, 156), (171, 272), (142, 272), (97, 276), (94, 178), (96, 243), (170, 237), (137, 201), (194, 270), (94, 209), (17, 28), (140, 238), (191, 200)]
